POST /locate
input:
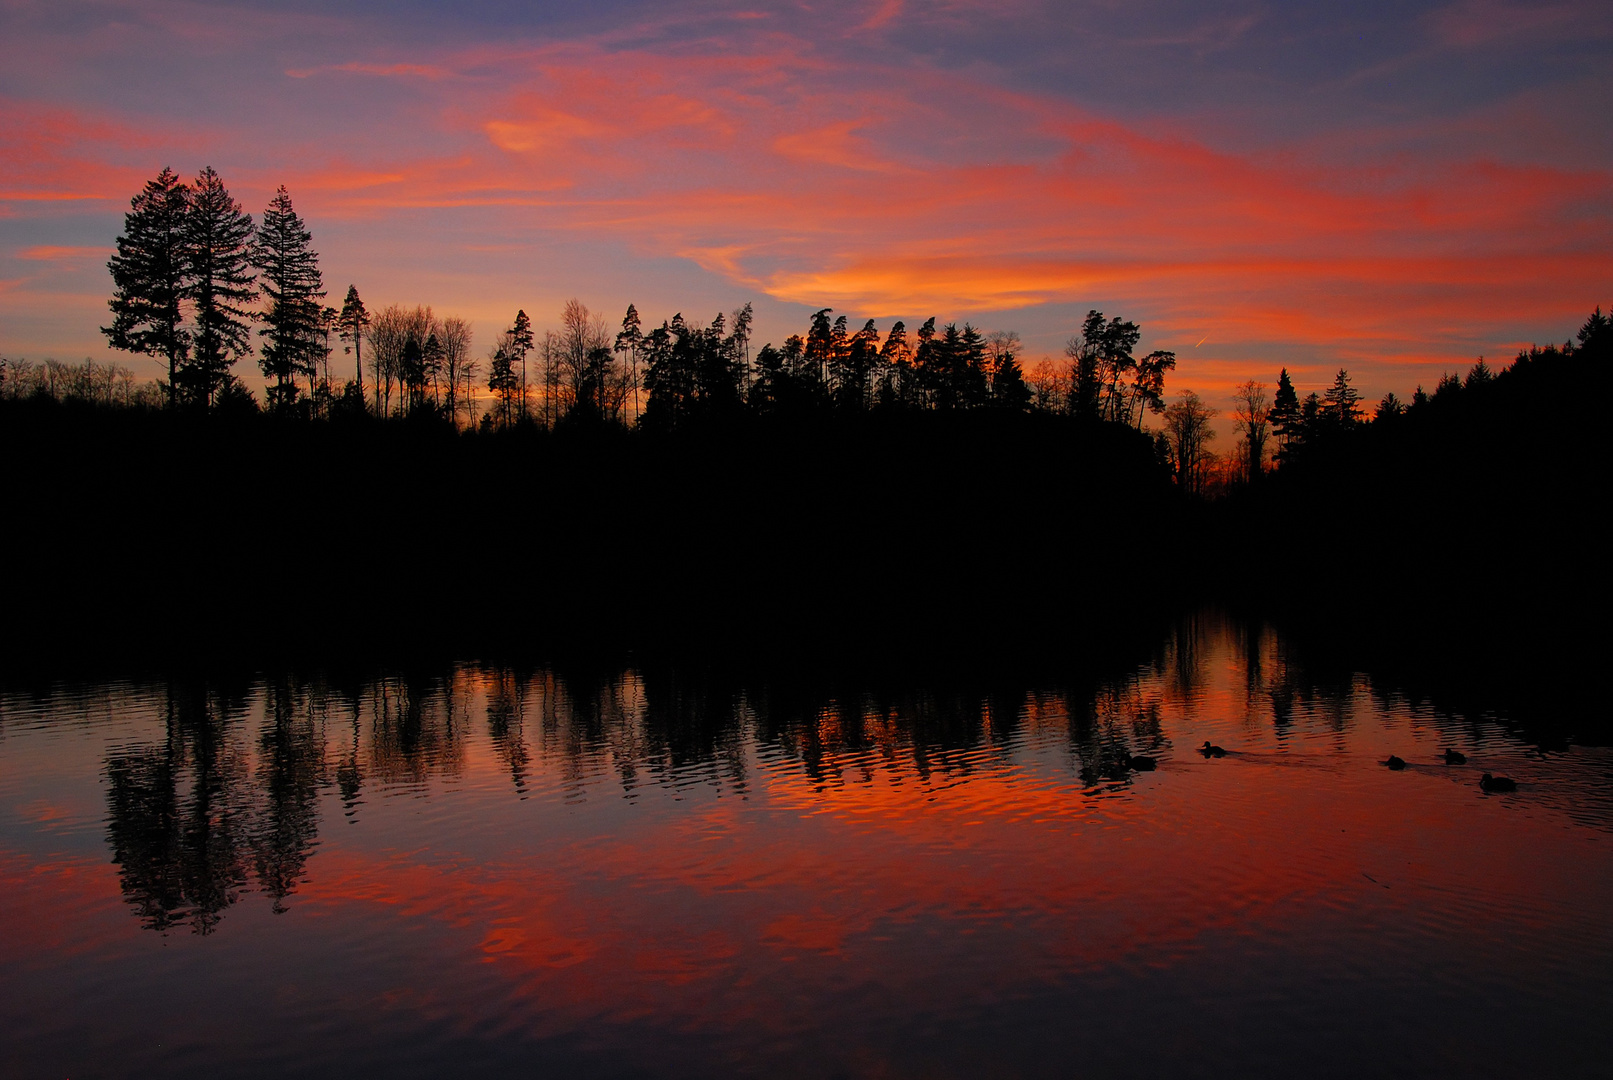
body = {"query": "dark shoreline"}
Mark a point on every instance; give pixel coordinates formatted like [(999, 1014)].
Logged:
[(910, 548)]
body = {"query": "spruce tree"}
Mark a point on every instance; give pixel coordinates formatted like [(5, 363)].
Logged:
[(1285, 411), (1341, 405), (972, 369), (148, 276), (294, 287), (220, 285), (1008, 389), (1596, 335)]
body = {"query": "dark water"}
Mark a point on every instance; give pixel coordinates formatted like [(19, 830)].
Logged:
[(507, 873)]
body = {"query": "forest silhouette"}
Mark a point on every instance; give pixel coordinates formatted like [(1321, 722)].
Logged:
[(848, 490)]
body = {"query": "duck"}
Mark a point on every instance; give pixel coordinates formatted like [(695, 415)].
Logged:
[(1209, 750), (1396, 763), (1140, 763), (1454, 757), (1497, 783)]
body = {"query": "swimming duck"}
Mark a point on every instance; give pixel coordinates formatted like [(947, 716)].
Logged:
[(1453, 757), (1395, 763), (1497, 783), (1209, 750), (1142, 764)]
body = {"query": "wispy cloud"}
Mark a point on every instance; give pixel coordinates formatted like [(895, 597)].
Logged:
[(54, 253), (768, 156), (419, 71)]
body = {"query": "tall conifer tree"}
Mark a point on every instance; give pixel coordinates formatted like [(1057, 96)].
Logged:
[(631, 341), (148, 276), (294, 287), (521, 344), (221, 285), (352, 321), (1284, 416)]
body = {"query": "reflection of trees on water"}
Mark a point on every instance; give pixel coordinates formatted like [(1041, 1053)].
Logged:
[(228, 800), (292, 769), (211, 808), (418, 725), (177, 815)]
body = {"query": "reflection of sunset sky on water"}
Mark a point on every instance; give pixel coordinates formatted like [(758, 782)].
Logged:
[(1395, 188), (774, 881)]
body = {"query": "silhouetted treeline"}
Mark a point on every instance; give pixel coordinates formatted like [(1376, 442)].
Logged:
[(194, 273), (218, 531), (1471, 518), (90, 382), (848, 488)]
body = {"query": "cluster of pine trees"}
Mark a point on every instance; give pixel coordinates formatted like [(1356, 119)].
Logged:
[(1333, 422), (190, 267), (694, 372)]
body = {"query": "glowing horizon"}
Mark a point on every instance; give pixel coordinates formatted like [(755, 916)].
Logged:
[(1397, 192)]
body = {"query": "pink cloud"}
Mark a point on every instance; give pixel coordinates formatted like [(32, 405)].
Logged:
[(423, 71), (57, 253), (817, 177)]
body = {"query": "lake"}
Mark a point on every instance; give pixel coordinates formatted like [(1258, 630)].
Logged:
[(479, 869)]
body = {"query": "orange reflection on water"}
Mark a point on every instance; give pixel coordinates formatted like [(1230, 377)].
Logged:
[(547, 855)]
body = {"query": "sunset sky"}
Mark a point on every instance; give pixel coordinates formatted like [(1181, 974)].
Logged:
[(1394, 188)]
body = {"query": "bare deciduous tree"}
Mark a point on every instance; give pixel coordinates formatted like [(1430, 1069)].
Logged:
[(454, 337), (1253, 415), (1187, 427)]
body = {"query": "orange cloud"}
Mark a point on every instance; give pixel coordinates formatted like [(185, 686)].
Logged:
[(818, 177), (55, 253)]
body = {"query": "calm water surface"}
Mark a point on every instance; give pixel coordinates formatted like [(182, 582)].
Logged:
[(497, 872)]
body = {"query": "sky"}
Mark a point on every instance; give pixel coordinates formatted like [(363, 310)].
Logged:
[(1393, 188)]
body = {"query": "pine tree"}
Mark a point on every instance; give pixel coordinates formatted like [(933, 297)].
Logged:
[(1086, 354), (220, 284), (352, 321), (944, 371), (860, 365), (741, 344), (502, 380), (293, 286), (820, 344), (896, 383), (519, 345), (148, 276), (1120, 337), (631, 341), (431, 364), (1148, 385), (768, 383), (929, 364), (670, 373)]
